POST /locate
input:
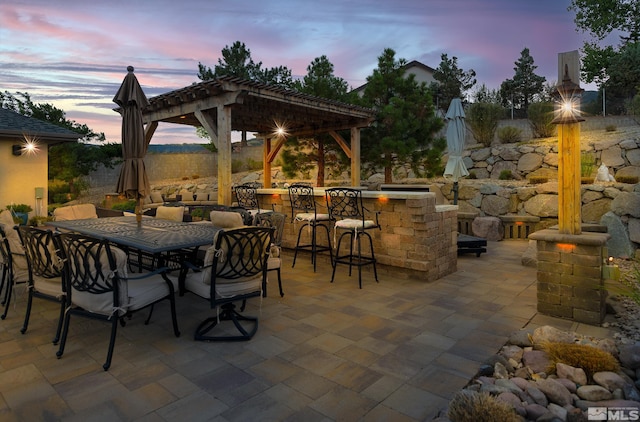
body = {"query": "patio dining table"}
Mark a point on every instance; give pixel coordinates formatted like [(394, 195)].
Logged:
[(152, 235)]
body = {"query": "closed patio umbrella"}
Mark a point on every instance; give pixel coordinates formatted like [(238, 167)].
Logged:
[(133, 180), (456, 133)]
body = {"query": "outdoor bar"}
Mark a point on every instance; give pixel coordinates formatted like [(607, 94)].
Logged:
[(416, 236)]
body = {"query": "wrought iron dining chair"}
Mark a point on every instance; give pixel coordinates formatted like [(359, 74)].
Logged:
[(235, 269), (14, 268), (45, 272), (98, 287), (304, 209), (346, 207), (247, 197), (273, 220)]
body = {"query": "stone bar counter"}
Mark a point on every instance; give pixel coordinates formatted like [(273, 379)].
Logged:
[(416, 236)]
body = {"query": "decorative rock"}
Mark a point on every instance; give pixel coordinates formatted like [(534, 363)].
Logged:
[(592, 212), (521, 338), (626, 203), (569, 385), (619, 244), (555, 392), (494, 205), (489, 228), (630, 356), (521, 383), (629, 171), (542, 205), (536, 360), (529, 162), (559, 411), (594, 393), (485, 370), (550, 334), (590, 196), (634, 157), (499, 371), (537, 395), (481, 154), (551, 159), (514, 401), (634, 229), (577, 375), (510, 385), (611, 192), (534, 411), (576, 415), (501, 166), (609, 380), (511, 351), (509, 154), (489, 189), (549, 187), (612, 157)]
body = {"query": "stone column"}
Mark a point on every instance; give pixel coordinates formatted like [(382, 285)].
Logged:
[(570, 281)]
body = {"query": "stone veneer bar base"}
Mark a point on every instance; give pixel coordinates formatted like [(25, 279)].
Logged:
[(570, 281)]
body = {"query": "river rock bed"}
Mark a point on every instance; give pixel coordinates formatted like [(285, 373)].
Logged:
[(518, 375)]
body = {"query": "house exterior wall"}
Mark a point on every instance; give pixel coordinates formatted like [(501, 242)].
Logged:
[(20, 175)]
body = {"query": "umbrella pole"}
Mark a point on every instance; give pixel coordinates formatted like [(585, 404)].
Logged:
[(455, 193), (138, 210)]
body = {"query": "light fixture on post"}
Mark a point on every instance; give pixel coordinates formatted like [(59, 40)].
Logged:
[(567, 96)]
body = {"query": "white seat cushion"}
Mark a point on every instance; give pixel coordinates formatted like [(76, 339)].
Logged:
[(351, 224), (6, 221), (226, 219), (75, 212), (309, 216), (170, 213)]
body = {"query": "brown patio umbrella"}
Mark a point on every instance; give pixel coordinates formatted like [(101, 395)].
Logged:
[(133, 180)]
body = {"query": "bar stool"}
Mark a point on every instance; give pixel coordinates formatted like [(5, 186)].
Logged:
[(302, 199), (346, 207)]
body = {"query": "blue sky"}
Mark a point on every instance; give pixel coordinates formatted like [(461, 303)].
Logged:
[(74, 53)]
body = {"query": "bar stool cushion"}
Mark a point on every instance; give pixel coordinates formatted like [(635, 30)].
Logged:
[(352, 224), (309, 216)]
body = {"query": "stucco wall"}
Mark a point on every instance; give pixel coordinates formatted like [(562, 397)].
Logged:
[(20, 175)]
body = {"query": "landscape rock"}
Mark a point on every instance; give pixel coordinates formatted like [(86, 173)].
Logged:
[(542, 205), (555, 392), (609, 380), (577, 375), (490, 228), (619, 244), (594, 393)]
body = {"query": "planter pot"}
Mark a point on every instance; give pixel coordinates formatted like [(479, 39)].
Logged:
[(22, 216)]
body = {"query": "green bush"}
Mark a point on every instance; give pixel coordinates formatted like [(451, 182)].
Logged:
[(509, 134), (472, 175), (482, 119), (540, 117), (587, 164), (129, 205), (610, 128), (505, 175), (253, 164)]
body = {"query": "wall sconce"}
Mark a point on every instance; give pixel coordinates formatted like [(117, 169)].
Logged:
[(567, 95), (16, 150)]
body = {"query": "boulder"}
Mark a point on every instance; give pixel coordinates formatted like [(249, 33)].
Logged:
[(629, 171), (592, 212), (494, 205), (509, 154), (551, 159), (530, 255), (525, 193), (501, 166), (612, 157), (633, 156), (634, 229), (549, 187), (481, 154), (555, 392), (590, 195), (619, 244), (537, 360), (489, 228), (529, 162), (543, 205), (549, 334), (577, 375), (628, 144), (594, 393), (609, 380), (626, 203)]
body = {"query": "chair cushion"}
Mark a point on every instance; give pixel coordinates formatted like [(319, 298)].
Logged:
[(6, 221), (201, 196), (103, 303), (170, 213), (351, 224), (48, 286), (309, 216), (156, 198), (148, 290), (75, 212), (273, 263), (226, 219)]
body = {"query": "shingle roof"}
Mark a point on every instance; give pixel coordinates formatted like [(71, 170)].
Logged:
[(15, 125)]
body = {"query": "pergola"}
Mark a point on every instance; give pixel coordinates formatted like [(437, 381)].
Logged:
[(226, 104)]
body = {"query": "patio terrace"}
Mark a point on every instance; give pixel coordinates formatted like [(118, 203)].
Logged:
[(397, 350)]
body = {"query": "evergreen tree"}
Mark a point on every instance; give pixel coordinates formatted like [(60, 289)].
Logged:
[(452, 82), (525, 86), (405, 126), (301, 155)]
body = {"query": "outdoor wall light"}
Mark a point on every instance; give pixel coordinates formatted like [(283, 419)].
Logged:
[(28, 147), (567, 96), (16, 150)]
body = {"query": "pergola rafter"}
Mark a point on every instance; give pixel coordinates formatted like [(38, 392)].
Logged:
[(232, 104)]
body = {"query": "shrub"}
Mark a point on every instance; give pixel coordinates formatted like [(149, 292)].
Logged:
[(129, 205), (254, 164), (195, 176), (587, 164), (610, 128), (540, 117), (505, 175), (185, 177), (632, 180), (471, 406), (198, 212), (535, 180), (472, 175), (482, 119), (589, 358), (237, 166), (509, 134), (24, 208)]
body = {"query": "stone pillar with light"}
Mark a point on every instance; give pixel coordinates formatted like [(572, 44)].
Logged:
[(571, 264)]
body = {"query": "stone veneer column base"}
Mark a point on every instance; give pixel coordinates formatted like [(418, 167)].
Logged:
[(570, 282)]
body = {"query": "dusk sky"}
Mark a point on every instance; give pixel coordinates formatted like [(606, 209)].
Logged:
[(74, 53)]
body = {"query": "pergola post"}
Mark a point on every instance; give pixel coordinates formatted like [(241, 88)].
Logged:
[(224, 155), (355, 156), (266, 163)]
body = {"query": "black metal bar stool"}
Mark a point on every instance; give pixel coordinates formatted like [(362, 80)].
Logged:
[(346, 207), (302, 199)]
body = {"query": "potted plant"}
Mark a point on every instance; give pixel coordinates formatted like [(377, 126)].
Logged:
[(20, 213)]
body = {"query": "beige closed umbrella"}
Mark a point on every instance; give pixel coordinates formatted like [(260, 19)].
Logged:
[(133, 180), (456, 134)]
